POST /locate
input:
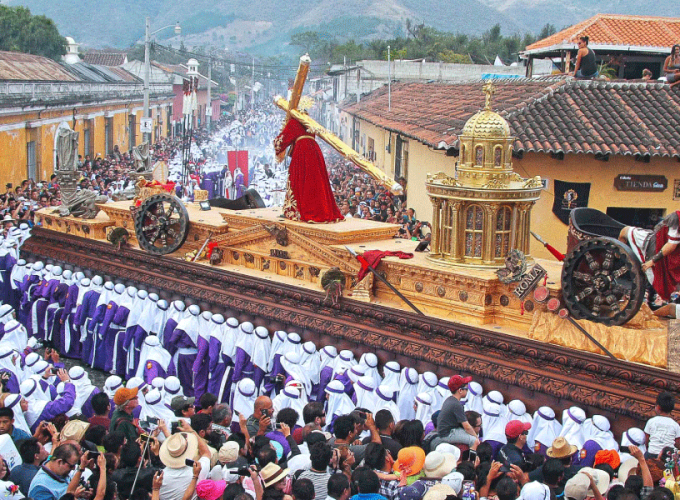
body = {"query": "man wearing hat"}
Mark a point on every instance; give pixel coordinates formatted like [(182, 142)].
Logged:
[(516, 433), (562, 450), (452, 424), (175, 451), (126, 401)]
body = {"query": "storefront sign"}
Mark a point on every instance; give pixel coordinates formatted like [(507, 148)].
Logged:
[(628, 182)]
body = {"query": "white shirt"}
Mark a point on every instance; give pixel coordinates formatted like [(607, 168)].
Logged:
[(663, 431), (176, 481)]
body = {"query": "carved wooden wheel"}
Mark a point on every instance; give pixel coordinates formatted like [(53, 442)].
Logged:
[(602, 281), (161, 224)]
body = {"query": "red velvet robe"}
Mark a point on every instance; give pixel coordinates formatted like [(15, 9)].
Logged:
[(309, 197), (667, 270)]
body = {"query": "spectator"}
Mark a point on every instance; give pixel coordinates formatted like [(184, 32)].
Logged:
[(662, 430), (320, 456), (338, 487), (7, 425), (385, 424), (126, 400), (101, 404), (51, 481), (33, 454)]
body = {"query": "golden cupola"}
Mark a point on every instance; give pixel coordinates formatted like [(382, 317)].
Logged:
[(484, 212)]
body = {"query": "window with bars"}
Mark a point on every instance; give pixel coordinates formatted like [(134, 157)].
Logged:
[(31, 163), (474, 224), (479, 156)]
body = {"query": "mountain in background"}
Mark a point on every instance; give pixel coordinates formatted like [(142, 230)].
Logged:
[(264, 27)]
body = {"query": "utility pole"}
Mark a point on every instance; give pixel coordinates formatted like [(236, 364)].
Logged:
[(208, 109), (147, 76), (389, 81)]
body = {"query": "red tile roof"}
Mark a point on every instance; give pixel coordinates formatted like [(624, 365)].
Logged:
[(617, 30), (549, 115), (27, 67), (104, 58)]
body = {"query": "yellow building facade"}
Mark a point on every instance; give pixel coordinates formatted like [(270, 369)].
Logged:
[(27, 133), (421, 160)]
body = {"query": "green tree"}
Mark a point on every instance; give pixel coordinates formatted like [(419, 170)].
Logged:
[(310, 41), (449, 56), (546, 31), (20, 31)]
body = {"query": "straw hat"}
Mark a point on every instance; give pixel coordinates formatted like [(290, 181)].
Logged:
[(272, 474), (74, 430), (439, 492), (412, 457), (177, 448), (437, 464), (600, 477), (561, 448), (229, 452), (626, 467)]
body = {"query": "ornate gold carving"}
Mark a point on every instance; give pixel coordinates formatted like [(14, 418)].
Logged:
[(441, 291), (534, 182), (496, 183), (248, 257), (419, 286), (463, 296)]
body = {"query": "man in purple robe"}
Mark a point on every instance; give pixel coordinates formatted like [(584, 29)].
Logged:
[(106, 333), (276, 373), (243, 366), (42, 294), (201, 363), (120, 317), (70, 334), (55, 309), (183, 347), (137, 335), (154, 361), (29, 282), (177, 313), (41, 410), (84, 317), (100, 308), (328, 356), (222, 347)]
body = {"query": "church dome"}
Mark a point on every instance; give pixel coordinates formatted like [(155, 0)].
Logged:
[(486, 124)]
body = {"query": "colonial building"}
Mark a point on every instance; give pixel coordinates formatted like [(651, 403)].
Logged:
[(612, 146), (39, 96), (628, 44)]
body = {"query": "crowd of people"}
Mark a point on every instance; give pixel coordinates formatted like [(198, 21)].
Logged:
[(203, 406)]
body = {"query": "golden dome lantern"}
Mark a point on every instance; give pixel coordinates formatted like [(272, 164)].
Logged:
[(485, 211)]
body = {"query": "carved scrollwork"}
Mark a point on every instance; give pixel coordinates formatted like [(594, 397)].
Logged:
[(582, 378)]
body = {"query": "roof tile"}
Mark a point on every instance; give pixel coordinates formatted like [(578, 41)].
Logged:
[(545, 114)]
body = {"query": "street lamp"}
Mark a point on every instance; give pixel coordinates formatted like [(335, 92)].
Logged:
[(147, 66)]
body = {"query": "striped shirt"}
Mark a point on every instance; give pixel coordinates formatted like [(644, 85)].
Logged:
[(319, 480)]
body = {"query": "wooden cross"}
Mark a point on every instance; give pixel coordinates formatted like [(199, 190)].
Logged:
[(290, 107)]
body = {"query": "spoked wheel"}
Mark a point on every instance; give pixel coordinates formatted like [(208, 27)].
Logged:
[(162, 224), (602, 281)]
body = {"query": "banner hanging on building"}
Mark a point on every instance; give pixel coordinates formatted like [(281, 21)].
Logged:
[(568, 196)]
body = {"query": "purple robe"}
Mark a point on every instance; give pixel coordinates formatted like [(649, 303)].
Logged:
[(134, 338), (201, 367), (119, 361), (68, 326), (184, 353), (42, 295), (84, 319), (153, 369), (26, 288), (106, 338), (87, 410), (218, 364), (325, 378), (6, 264), (54, 313), (347, 382), (170, 326), (12, 383), (57, 407), (277, 369)]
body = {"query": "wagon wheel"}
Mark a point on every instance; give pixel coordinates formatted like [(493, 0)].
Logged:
[(602, 281), (161, 224)]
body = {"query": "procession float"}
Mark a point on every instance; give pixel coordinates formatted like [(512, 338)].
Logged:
[(573, 330)]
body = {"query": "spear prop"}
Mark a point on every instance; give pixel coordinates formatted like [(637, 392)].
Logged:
[(556, 253), (365, 263)]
